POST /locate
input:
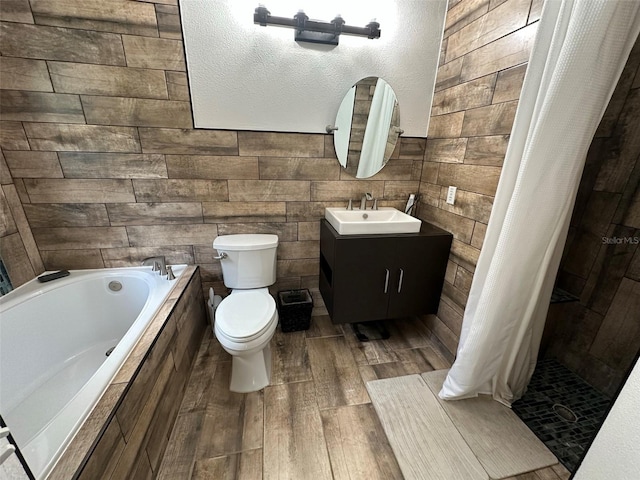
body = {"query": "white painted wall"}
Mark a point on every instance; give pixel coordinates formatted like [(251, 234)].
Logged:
[(615, 452), (247, 77)]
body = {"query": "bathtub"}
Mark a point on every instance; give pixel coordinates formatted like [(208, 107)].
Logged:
[(61, 343)]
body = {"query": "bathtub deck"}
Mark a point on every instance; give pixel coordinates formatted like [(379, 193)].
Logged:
[(315, 420)]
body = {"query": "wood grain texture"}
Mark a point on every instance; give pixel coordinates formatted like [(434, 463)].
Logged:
[(475, 93), (490, 120), (358, 447), (446, 126), (72, 259), (7, 224), (424, 440), (169, 21), (468, 204), (463, 13), (65, 238), (140, 112), (17, 212), (48, 215), (136, 441), (54, 43), (268, 190), (63, 190), (460, 227), (345, 190), (12, 136), (15, 259), (335, 373), (24, 74), (117, 16), (617, 340), (85, 138), (494, 433), (106, 451), (40, 107), (157, 53), (16, 11), (274, 168), (212, 167), (240, 466), (488, 151), (446, 150), (505, 52), (472, 178), (449, 74), (280, 144), (131, 256), (290, 358), (287, 232), (244, 212), (112, 165), (33, 164), (498, 22), (164, 213), (181, 141), (178, 86), (233, 421), (82, 78), (167, 235), (296, 447), (509, 84), (173, 190)]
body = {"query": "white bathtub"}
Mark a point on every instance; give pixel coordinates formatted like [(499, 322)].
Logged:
[(54, 339)]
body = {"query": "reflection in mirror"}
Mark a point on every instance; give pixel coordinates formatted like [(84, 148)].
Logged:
[(368, 123)]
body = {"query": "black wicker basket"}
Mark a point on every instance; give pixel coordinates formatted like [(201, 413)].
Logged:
[(294, 307)]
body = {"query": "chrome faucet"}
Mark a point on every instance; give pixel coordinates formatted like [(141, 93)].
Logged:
[(159, 264), (363, 201)]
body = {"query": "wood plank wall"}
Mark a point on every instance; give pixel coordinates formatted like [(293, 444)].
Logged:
[(98, 138), (482, 65), (599, 336)]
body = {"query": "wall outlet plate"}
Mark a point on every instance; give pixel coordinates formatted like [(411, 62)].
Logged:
[(451, 195)]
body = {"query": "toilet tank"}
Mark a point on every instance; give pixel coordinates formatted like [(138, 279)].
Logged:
[(250, 260)]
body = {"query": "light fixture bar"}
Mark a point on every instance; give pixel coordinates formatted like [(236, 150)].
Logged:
[(314, 31)]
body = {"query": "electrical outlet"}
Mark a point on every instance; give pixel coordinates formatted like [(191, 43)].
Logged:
[(451, 195)]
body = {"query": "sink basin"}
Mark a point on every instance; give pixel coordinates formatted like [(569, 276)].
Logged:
[(363, 222)]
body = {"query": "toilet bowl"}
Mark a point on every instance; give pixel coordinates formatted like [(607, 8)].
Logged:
[(246, 320)]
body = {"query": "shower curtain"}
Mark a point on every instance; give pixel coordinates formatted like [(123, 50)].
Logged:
[(579, 53), (377, 130)]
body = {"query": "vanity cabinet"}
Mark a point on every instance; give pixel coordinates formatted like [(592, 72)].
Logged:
[(376, 277)]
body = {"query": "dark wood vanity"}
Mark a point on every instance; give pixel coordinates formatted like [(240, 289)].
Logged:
[(376, 277)]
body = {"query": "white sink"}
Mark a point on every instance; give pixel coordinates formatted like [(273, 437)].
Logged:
[(362, 222)]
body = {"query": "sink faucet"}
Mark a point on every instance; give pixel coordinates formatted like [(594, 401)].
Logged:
[(363, 201), (159, 264)]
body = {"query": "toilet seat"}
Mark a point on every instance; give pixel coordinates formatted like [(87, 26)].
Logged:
[(245, 315)]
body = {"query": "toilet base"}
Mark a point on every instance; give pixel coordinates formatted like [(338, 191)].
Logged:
[(250, 373)]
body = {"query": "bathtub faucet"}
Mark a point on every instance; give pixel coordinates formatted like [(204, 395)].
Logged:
[(159, 264)]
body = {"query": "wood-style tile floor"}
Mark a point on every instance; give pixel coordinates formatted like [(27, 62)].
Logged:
[(315, 421)]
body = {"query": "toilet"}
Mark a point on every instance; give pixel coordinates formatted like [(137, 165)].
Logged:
[(246, 319)]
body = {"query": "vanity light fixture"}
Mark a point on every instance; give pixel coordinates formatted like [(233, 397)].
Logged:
[(313, 31)]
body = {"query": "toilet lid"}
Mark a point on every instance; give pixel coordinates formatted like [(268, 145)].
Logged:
[(245, 314)]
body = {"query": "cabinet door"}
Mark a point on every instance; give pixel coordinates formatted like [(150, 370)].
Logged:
[(419, 267), (359, 277)]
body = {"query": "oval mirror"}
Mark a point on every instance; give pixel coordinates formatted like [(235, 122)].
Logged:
[(368, 124)]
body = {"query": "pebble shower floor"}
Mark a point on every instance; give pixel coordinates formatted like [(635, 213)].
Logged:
[(562, 410)]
